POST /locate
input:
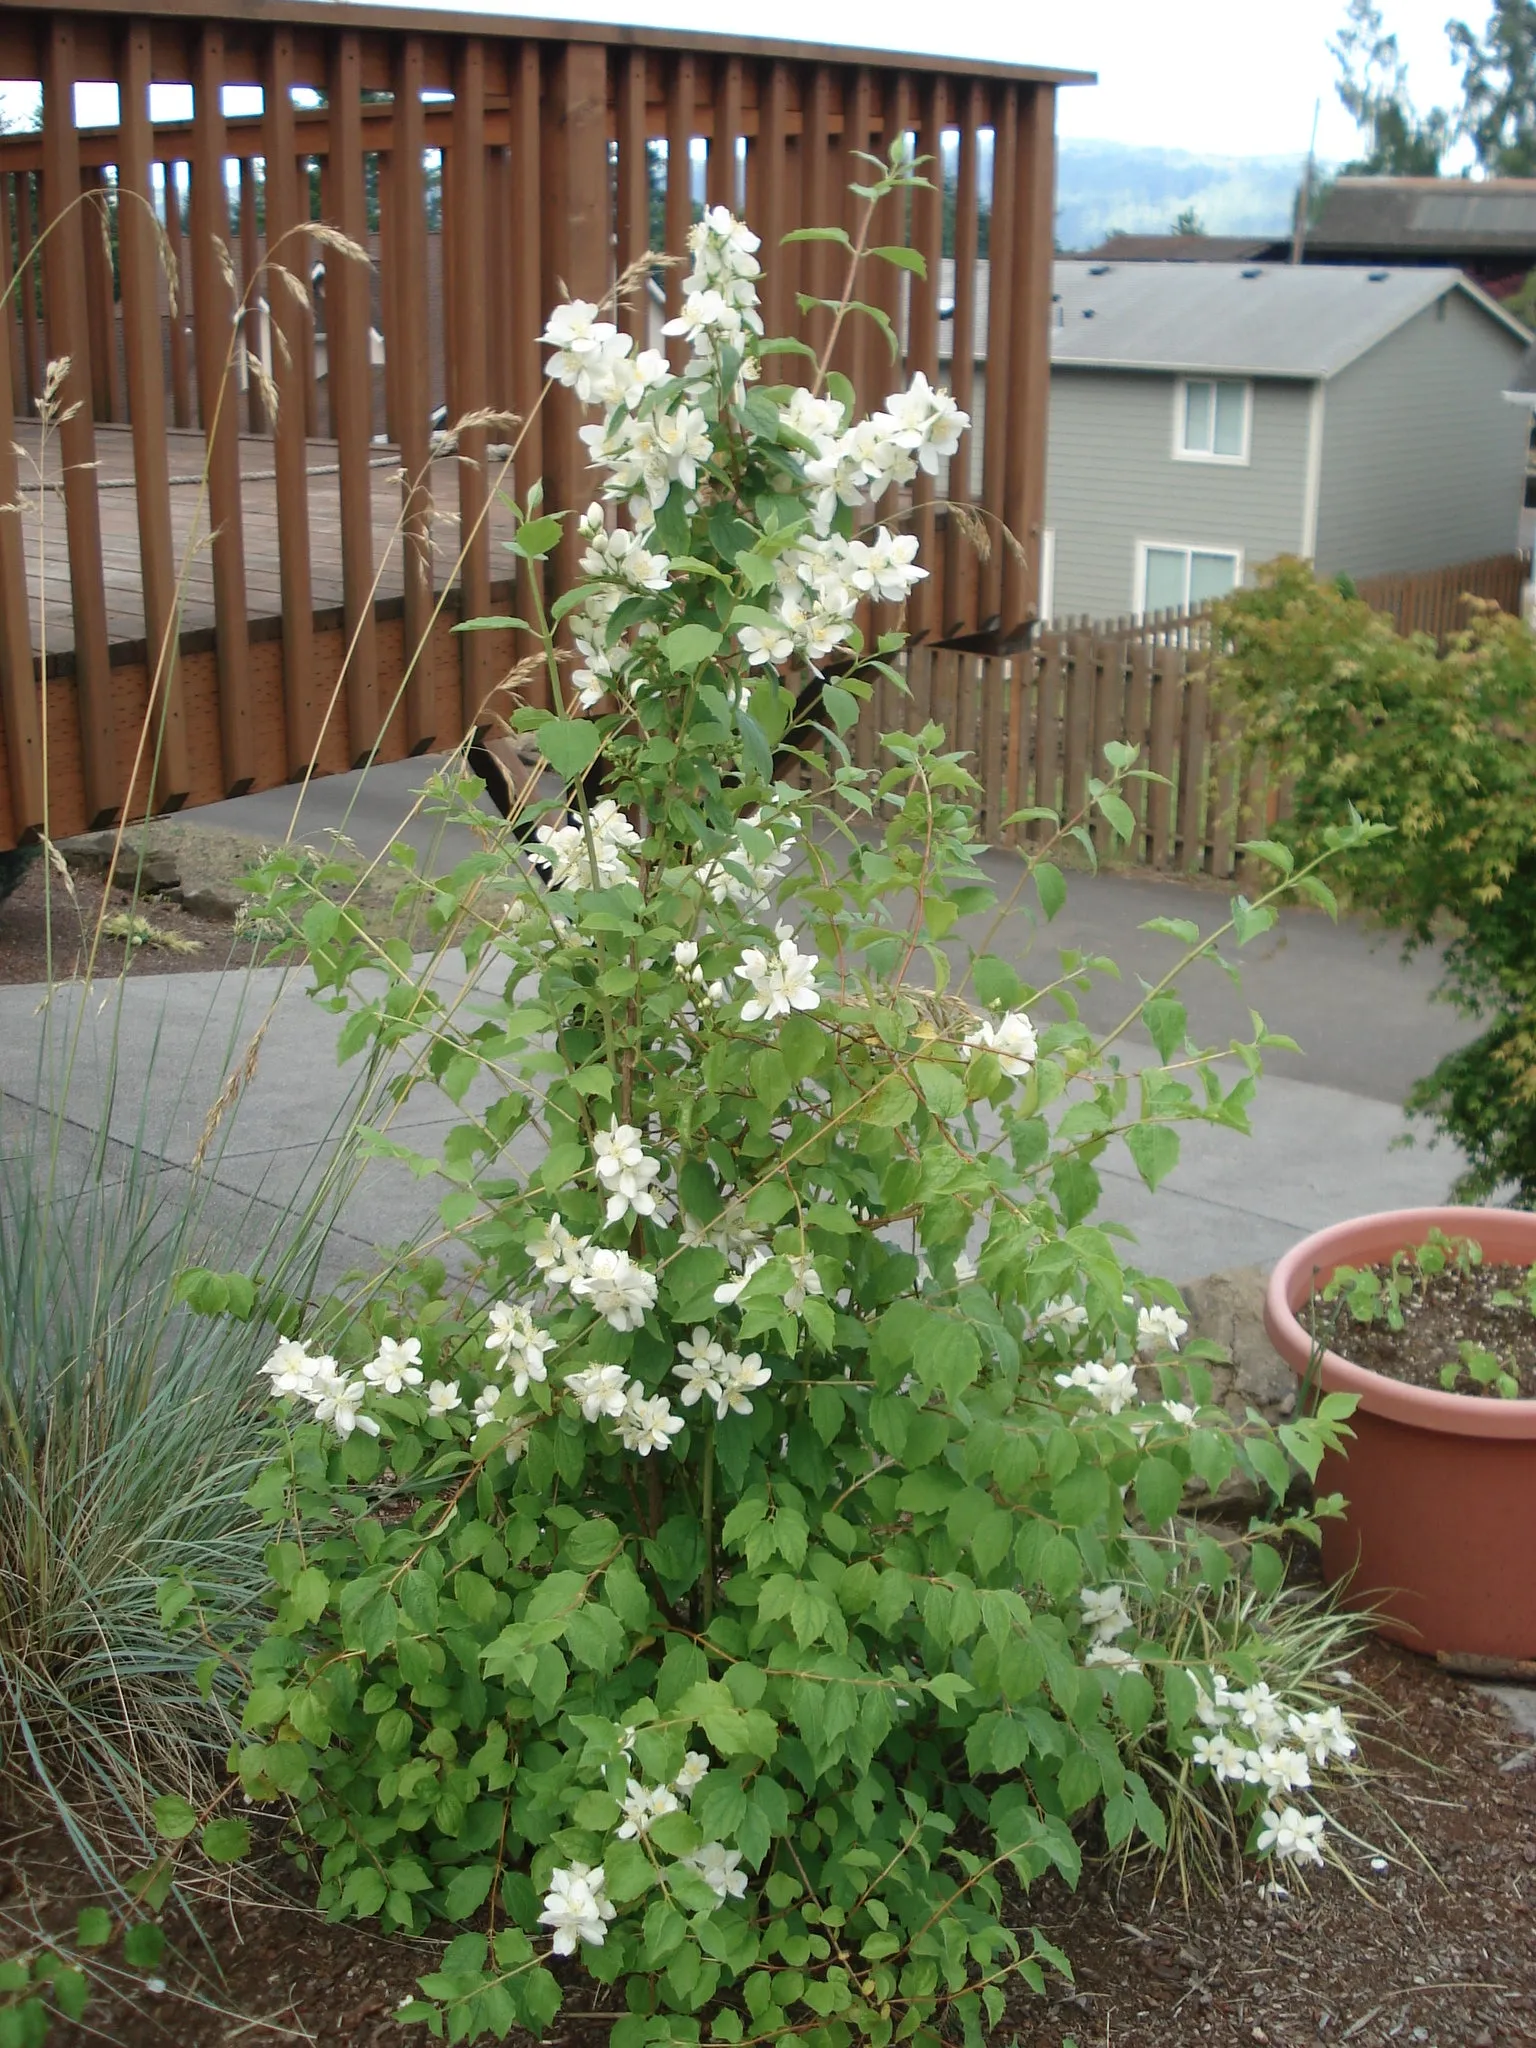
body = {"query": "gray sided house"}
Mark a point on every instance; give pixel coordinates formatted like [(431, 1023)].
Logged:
[(1206, 417)]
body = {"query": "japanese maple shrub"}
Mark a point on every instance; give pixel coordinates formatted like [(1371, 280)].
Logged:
[(761, 1547)]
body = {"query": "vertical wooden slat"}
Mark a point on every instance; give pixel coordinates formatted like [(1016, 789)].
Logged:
[(823, 207), (181, 300), (467, 349), (1138, 712), (19, 709), (682, 91), (771, 151), (1004, 252), (384, 180), (303, 262), (10, 312), (526, 227), (994, 684), (65, 305), (218, 404), (861, 347), (138, 265), (575, 251), (1015, 783), (961, 566), (95, 230), (1165, 686), (725, 126), (1192, 771), (350, 376), (250, 335), (293, 373), (27, 196), (1048, 747), (1030, 352), (634, 194), (407, 344), (926, 606)]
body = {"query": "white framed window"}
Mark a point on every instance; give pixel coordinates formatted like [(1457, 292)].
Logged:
[(1212, 419), (1174, 577)]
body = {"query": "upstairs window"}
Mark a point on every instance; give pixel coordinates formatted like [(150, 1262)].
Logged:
[(1212, 419)]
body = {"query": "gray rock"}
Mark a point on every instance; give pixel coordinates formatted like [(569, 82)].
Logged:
[(1228, 1309), (213, 902)]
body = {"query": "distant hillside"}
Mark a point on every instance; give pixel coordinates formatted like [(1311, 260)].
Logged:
[(1102, 186)]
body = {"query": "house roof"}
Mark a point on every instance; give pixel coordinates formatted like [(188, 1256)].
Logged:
[(1243, 319), (1451, 217), (1190, 249)]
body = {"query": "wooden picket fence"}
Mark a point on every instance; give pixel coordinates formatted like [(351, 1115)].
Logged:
[(1035, 725)]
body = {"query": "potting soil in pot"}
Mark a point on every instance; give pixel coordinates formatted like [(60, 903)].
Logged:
[(1453, 1309)]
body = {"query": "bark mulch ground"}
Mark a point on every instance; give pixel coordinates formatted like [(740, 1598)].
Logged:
[(1435, 1949)]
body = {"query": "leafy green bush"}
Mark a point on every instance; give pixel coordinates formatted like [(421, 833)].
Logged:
[(1440, 749), (773, 1540)]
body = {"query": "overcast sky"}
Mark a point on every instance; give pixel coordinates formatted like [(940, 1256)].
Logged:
[(1222, 77)]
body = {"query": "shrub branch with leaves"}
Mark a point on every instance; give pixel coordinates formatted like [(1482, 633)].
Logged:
[(760, 1550)]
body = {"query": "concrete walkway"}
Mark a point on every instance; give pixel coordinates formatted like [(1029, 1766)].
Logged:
[(1326, 1125)]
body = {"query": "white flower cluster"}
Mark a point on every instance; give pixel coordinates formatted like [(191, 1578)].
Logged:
[(1159, 1328), (517, 1345), (720, 291), (709, 1372), (1105, 1616), (625, 1170), (1256, 1739), (804, 1279), (918, 429), (781, 981), (295, 1373), (819, 586), (618, 1289), (747, 880), (575, 1907), (595, 361), (685, 957), (1012, 1038), (1111, 1382), (577, 862)]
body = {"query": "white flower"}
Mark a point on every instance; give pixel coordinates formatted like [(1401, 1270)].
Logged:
[(780, 982), (395, 1368), (1159, 1328), (886, 567), (519, 1344), (1112, 1385), (718, 1866), (339, 1402), (1113, 1656), (625, 1171), (692, 1775), (765, 646), (806, 1280), (1325, 1736), (1258, 1709), (575, 329), (965, 1270), (1282, 1770), (685, 955), (443, 1397), (642, 1805), (1105, 1612), (617, 1288), (1179, 1412), (590, 855), (1291, 1834), (702, 1357), (601, 1390), (730, 1291), (576, 1908), (1213, 1708), (559, 1256), (647, 1423), (1062, 1314), (738, 1378), (1012, 1038), (485, 1406), (1219, 1753), (292, 1371)]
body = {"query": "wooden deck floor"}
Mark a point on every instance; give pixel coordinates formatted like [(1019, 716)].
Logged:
[(47, 555)]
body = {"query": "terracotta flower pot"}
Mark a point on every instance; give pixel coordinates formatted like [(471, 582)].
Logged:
[(1440, 1531)]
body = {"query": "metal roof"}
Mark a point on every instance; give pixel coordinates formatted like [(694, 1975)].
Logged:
[(1453, 217), (1242, 319), (1191, 249)]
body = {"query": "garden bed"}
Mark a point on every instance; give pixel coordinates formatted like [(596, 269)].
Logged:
[(1436, 1949)]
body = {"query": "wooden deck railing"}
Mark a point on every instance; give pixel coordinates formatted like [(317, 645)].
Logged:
[(492, 165)]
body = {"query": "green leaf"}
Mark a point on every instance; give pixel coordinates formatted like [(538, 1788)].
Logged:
[(904, 259), (892, 1103), (535, 537), (309, 1593), (686, 647), (491, 625), (1155, 1149), (467, 1891), (1270, 850), (818, 235), (569, 745), (174, 1819), (1050, 887), (93, 1927), (1118, 814), (226, 1841), (1159, 1489)]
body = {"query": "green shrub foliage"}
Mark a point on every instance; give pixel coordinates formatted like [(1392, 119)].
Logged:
[(1439, 749), (757, 1551)]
